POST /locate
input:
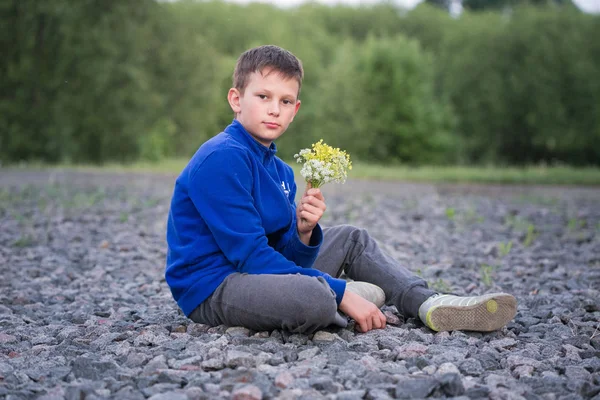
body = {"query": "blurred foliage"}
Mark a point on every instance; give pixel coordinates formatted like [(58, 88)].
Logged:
[(382, 89), (487, 5), (484, 5), (111, 80)]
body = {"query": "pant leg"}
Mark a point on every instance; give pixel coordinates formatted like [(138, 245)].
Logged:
[(352, 250), (297, 303)]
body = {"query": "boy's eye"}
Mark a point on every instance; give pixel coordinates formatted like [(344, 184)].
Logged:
[(262, 96), (287, 102)]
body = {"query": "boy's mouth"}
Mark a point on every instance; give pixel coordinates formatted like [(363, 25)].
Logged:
[(271, 125)]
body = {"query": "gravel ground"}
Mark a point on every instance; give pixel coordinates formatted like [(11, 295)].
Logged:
[(85, 312)]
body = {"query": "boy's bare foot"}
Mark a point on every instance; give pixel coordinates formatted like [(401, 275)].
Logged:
[(485, 313)]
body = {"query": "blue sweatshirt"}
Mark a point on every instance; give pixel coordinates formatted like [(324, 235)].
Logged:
[(233, 211)]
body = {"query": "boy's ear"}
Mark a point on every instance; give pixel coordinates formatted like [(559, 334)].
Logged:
[(297, 107), (233, 97)]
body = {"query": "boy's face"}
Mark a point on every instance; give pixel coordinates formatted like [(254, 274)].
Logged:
[(267, 106)]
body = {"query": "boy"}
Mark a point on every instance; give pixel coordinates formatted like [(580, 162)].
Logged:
[(242, 253)]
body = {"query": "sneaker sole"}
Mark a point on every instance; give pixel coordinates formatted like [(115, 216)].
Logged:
[(491, 314)]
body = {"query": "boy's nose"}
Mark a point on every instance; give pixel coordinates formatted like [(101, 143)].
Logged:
[(273, 109)]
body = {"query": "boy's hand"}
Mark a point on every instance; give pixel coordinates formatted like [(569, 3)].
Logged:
[(365, 313), (309, 211)]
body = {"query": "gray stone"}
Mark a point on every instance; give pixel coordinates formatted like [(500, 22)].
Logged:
[(505, 343), (451, 385), (77, 392), (136, 360), (213, 364), (363, 346), (378, 394), (419, 336), (571, 352), (162, 388), (410, 350), (247, 392), (323, 383), (87, 368), (158, 362), (196, 330), (235, 358), (149, 338), (391, 318), (238, 331), (172, 395), (5, 368), (489, 361), (177, 364), (196, 393), (416, 388), (577, 373), (308, 353), (324, 337), (447, 368), (5, 310), (471, 366), (297, 339), (523, 370), (284, 379), (351, 395), (129, 393), (390, 342), (515, 361)]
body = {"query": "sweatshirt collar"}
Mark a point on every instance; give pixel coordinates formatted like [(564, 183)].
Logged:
[(237, 131)]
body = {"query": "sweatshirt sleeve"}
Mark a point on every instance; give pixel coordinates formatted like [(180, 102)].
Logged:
[(221, 190)]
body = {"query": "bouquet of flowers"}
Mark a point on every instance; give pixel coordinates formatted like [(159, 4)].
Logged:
[(323, 164)]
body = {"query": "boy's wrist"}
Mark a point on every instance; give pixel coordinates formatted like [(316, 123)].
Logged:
[(305, 237)]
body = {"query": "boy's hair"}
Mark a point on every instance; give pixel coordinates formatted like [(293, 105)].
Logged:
[(259, 58)]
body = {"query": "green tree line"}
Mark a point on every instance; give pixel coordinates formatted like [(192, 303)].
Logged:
[(112, 80)]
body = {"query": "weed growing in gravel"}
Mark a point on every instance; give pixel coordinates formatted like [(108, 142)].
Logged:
[(150, 203), (441, 286), (123, 217), (42, 204), (539, 200), (411, 204), (88, 200), (20, 218), (368, 199), (80, 200), (472, 217), (52, 190), (29, 191), (517, 223), (575, 224), (23, 241), (505, 248), (450, 213), (486, 272), (530, 236)]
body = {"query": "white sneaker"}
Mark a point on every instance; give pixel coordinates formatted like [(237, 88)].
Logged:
[(485, 313), (367, 291)]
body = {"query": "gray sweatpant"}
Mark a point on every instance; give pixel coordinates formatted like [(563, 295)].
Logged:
[(300, 303)]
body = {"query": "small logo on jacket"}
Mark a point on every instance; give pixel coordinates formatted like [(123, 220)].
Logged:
[(286, 190)]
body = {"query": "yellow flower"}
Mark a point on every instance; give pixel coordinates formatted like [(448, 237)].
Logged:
[(323, 164)]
